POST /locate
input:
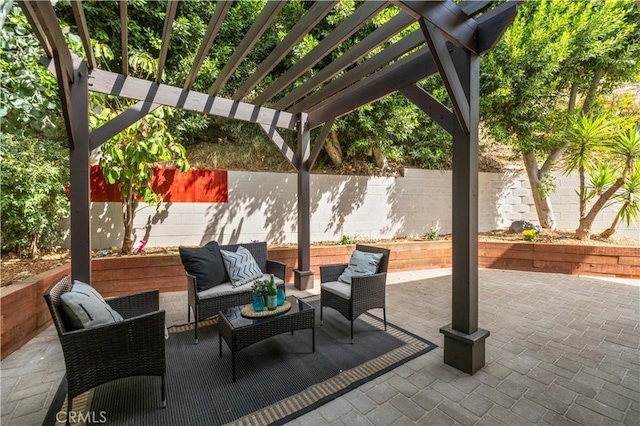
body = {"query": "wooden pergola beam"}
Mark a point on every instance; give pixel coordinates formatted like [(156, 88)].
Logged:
[(455, 24), (143, 90), (310, 19), (282, 146), (317, 146), (119, 123), (410, 69), (360, 71), (48, 22), (36, 27), (373, 40), (494, 23), (439, 113), (260, 25), (370, 65), (345, 30), (172, 7), (222, 8), (447, 69), (83, 30), (124, 37)]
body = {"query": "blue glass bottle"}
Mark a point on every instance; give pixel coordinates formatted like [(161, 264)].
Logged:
[(281, 296), (258, 302)]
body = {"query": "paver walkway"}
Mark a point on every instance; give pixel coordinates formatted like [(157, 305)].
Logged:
[(563, 350)]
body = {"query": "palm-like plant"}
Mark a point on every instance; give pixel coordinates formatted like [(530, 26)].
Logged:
[(629, 196), (588, 136), (625, 147)]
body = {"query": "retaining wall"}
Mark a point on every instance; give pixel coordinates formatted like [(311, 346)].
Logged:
[(24, 313)]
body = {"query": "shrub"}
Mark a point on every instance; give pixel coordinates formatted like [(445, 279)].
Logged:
[(33, 200), (530, 234)]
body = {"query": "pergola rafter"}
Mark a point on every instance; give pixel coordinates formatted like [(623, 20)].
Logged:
[(450, 41)]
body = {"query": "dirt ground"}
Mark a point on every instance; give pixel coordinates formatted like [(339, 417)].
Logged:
[(15, 269)]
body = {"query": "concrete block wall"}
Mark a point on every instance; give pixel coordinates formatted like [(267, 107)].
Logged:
[(262, 206)]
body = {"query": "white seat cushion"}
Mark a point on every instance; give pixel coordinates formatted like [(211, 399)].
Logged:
[(338, 288), (226, 288)]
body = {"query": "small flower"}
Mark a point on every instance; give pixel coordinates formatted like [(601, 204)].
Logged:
[(530, 234)]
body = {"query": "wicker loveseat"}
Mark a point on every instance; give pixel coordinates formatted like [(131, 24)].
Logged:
[(93, 356), (208, 303)]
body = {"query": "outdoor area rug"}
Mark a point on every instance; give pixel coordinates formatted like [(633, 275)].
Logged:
[(278, 379)]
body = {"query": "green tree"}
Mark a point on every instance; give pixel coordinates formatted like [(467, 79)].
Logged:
[(555, 55), (128, 160), (33, 200)]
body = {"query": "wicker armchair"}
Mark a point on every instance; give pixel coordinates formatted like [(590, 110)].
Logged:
[(364, 293), (97, 355), (205, 307)]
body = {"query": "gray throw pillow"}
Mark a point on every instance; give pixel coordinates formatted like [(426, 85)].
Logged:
[(84, 307), (241, 266), (361, 264)]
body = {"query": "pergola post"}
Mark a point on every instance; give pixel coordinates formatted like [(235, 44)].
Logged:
[(464, 342), (79, 178), (303, 275)]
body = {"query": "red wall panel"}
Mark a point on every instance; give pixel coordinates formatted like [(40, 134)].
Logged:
[(194, 186)]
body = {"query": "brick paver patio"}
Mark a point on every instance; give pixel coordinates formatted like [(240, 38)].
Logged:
[(563, 350)]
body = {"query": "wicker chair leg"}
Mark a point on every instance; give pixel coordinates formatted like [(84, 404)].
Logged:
[(164, 390), (384, 315), (195, 315), (188, 314), (69, 407), (321, 313), (352, 332)]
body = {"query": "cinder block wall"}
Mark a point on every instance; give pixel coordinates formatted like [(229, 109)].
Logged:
[(262, 206)]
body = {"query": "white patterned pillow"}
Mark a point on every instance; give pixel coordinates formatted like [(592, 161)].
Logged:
[(361, 264), (241, 266)]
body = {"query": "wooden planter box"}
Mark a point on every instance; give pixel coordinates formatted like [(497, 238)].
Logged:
[(24, 313)]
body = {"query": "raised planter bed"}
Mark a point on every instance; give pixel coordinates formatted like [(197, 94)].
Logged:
[(24, 313)]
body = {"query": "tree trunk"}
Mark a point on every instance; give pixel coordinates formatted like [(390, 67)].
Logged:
[(34, 251), (332, 147), (379, 158), (540, 197), (593, 90), (607, 233), (581, 194), (584, 228), (573, 95), (129, 204)]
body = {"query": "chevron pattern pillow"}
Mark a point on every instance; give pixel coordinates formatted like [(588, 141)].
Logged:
[(241, 266)]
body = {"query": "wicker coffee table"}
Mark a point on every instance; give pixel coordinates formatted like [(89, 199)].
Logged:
[(239, 332)]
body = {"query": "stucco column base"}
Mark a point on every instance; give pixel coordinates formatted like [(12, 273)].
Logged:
[(466, 352), (303, 279)]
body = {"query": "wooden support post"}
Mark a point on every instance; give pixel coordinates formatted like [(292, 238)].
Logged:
[(303, 275), (79, 177), (464, 346)]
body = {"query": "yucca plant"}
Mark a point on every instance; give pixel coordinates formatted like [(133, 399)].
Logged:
[(588, 137), (626, 147), (629, 196)]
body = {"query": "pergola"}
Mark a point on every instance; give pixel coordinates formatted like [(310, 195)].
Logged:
[(450, 41)]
